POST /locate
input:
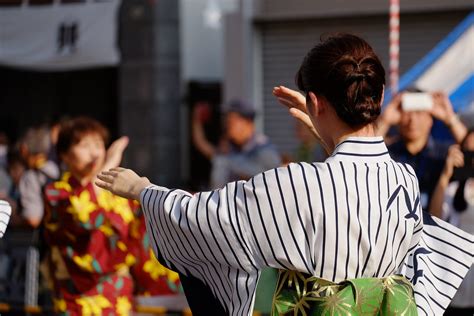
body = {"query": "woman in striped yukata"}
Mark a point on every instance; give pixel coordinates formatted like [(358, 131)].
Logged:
[(348, 235)]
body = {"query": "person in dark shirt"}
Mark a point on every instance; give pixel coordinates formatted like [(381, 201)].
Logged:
[(416, 146), (427, 163)]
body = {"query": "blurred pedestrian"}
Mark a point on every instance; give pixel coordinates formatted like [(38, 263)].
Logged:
[(15, 168), (243, 151), (34, 148), (416, 146)]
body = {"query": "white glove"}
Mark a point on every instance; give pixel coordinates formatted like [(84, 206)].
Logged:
[(5, 212)]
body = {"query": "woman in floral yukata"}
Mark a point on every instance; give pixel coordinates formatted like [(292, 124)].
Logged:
[(97, 240)]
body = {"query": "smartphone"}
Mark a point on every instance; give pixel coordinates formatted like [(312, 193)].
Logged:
[(467, 171), (417, 101)]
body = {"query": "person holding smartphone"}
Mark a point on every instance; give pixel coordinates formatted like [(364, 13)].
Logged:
[(454, 202), (414, 113)]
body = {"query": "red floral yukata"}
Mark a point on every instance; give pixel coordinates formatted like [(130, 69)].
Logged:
[(152, 279), (95, 241)]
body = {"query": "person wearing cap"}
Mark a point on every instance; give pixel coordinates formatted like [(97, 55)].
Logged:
[(244, 152)]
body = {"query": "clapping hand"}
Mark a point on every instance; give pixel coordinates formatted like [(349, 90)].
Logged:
[(114, 153)]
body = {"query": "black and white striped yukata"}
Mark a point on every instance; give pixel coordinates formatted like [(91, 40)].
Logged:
[(5, 212), (356, 215)]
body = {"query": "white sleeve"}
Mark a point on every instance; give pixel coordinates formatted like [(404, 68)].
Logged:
[(5, 212), (245, 225)]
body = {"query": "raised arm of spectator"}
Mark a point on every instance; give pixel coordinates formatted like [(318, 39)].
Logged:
[(455, 159), (198, 136), (443, 111)]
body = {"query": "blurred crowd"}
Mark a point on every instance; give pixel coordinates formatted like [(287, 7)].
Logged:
[(94, 252), (92, 248)]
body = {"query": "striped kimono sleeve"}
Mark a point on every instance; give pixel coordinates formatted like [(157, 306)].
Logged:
[(437, 265), (5, 212), (203, 236), (198, 235), (225, 237), (190, 231), (246, 225)]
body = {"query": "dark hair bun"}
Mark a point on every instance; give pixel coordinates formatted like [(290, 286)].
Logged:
[(346, 71)]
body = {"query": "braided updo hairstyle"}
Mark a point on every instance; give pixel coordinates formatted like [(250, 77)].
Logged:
[(345, 70)]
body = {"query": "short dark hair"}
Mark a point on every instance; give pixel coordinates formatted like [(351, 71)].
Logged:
[(72, 131), (345, 70)]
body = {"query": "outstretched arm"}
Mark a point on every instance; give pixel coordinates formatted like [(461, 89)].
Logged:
[(239, 225)]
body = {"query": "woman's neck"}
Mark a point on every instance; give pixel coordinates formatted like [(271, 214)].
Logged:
[(344, 133)]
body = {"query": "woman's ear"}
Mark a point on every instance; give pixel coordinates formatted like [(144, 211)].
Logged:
[(314, 106), (383, 95)]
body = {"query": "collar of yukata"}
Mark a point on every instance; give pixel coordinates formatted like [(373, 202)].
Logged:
[(361, 149)]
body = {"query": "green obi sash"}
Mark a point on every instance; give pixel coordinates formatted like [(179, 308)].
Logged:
[(301, 294)]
